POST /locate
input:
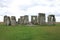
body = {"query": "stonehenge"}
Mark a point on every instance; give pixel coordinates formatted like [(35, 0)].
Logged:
[(21, 19), (7, 20), (13, 20), (41, 19), (24, 20), (18, 20), (51, 20), (34, 19)]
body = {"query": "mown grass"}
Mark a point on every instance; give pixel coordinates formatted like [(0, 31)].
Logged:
[(23, 32)]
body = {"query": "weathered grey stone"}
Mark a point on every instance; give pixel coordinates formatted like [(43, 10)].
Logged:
[(13, 20), (21, 19), (34, 19), (18, 20), (51, 20), (7, 20), (26, 19), (41, 19)]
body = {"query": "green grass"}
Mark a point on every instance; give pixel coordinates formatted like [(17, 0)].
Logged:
[(22, 32)]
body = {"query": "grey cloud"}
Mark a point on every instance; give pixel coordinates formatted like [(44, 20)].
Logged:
[(51, 0), (58, 15), (25, 7), (5, 13), (52, 5), (34, 3), (2, 5), (2, 2)]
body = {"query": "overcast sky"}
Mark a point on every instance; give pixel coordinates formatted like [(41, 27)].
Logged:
[(29, 7)]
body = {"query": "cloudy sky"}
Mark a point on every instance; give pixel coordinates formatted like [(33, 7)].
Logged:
[(29, 7)]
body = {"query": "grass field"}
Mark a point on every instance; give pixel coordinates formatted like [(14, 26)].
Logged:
[(22, 32)]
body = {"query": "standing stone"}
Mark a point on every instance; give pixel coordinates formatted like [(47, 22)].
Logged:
[(34, 19), (18, 20), (41, 19), (7, 20), (13, 20), (21, 19), (26, 19), (51, 20)]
